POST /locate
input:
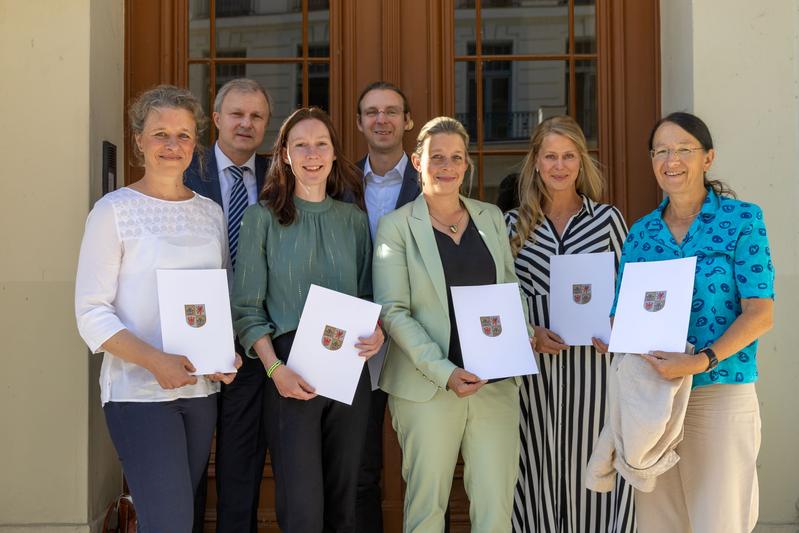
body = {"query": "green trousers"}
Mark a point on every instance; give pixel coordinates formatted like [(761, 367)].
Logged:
[(484, 428)]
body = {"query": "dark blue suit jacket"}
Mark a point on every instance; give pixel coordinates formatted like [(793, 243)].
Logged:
[(410, 183), (207, 182)]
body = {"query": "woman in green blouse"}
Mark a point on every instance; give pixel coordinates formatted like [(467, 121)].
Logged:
[(298, 234)]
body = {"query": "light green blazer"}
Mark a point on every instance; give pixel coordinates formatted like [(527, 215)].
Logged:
[(408, 280)]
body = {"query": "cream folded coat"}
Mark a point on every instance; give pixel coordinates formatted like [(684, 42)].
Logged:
[(644, 425)]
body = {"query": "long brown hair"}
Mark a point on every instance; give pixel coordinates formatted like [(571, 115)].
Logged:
[(533, 194), (343, 183)]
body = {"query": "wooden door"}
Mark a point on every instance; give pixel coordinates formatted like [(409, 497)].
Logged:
[(499, 66)]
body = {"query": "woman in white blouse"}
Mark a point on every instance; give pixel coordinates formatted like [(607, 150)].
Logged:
[(161, 417)]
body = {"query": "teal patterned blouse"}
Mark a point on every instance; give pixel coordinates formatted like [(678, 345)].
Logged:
[(328, 245), (733, 261)]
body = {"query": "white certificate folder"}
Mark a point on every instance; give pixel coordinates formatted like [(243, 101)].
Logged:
[(493, 331), (195, 318), (581, 290), (654, 306), (324, 351)]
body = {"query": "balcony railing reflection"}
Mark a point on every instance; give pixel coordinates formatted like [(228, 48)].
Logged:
[(224, 8), (241, 8), (501, 126), (487, 4)]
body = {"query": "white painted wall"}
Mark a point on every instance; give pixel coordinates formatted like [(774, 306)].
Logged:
[(61, 94), (735, 63)]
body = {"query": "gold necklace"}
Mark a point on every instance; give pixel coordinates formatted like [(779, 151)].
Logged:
[(453, 228)]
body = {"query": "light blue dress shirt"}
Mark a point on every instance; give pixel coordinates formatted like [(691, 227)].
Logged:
[(382, 192)]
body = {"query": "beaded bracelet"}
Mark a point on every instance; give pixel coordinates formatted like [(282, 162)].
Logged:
[(272, 368)]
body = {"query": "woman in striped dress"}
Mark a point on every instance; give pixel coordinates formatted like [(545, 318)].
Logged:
[(562, 407)]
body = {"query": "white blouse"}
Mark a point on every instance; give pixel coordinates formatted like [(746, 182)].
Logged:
[(128, 236)]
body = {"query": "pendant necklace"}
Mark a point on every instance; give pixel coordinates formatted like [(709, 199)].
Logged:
[(453, 228)]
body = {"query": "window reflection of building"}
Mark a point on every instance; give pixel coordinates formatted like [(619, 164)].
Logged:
[(229, 71), (318, 78), (274, 42), (526, 70), (498, 118), (514, 3), (238, 8)]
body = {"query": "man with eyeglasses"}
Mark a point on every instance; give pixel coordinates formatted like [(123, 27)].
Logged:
[(390, 181)]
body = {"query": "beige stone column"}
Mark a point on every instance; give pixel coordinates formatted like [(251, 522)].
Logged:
[(61, 94)]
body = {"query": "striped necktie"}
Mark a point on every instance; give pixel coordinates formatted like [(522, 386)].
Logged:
[(236, 206)]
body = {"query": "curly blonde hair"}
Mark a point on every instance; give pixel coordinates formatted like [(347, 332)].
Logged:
[(533, 194)]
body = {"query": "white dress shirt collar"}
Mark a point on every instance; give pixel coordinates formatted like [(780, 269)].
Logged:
[(392, 176), (223, 161)]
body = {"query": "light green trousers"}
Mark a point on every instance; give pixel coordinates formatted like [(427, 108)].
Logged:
[(484, 427)]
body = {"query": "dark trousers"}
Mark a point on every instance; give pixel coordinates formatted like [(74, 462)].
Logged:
[(316, 449), (163, 447), (369, 507), (240, 452)]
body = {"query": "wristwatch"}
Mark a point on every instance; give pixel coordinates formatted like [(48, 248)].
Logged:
[(712, 360)]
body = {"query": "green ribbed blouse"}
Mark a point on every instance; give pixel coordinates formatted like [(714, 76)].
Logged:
[(328, 245)]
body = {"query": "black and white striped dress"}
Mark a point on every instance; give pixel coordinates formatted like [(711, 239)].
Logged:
[(563, 407)]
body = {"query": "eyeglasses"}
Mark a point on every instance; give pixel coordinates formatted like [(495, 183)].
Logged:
[(389, 112), (661, 154)]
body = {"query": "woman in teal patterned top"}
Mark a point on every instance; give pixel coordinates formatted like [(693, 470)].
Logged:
[(713, 489), (299, 234)]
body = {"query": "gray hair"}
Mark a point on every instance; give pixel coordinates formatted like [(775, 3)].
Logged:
[(244, 85), (445, 125), (160, 97)]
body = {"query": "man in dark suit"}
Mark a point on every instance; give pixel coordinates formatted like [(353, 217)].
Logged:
[(232, 175), (390, 181)]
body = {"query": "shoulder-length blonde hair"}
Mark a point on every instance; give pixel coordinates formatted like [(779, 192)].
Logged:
[(533, 195)]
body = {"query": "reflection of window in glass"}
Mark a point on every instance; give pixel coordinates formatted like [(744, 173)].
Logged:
[(497, 78), (234, 8), (586, 112), (227, 72), (467, 4), (586, 106), (318, 78), (313, 5)]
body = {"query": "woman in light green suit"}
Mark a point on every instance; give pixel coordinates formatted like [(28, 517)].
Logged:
[(439, 409)]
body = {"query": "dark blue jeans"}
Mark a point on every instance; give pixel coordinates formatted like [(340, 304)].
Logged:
[(163, 447)]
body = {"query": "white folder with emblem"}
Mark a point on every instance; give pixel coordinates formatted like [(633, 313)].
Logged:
[(654, 306), (324, 351), (581, 290), (194, 306), (493, 332)]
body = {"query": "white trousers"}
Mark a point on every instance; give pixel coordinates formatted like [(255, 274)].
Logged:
[(713, 488)]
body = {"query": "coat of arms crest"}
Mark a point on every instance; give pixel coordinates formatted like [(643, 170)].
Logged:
[(195, 315), (333, 338), (654, 301), (581, 293), (492, 325)]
